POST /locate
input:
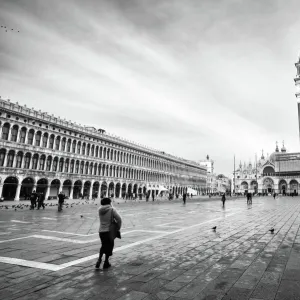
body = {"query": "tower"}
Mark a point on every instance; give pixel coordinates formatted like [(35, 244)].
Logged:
[(297, 83)]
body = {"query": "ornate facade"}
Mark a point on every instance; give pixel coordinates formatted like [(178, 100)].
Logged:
[(49, 154), (278, 172)]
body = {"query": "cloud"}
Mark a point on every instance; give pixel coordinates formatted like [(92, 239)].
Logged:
[(189, 77)]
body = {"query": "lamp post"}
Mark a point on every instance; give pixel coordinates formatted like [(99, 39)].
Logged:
[(297, 83)]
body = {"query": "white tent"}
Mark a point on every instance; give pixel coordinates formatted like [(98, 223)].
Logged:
[(192, 191)]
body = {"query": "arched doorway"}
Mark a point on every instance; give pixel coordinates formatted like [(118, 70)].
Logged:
[(77, 189), (253, 187), (67, 185), (123, 190), (244, 187), (135, 187), (294, 187), (41, 186), (10, 188), (282, 187), (86, 189), (129, 189), (54, 188), (103, 189), (111, 190), (268, 186), (26, 188), (118, 189), (95, 190)]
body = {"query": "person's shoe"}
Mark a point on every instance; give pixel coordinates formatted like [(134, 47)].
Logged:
[(98, 264), (106, 265)]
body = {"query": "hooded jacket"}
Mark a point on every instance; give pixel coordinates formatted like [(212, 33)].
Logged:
[(105, 212)]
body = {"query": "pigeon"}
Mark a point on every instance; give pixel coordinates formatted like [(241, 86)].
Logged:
[(15, 209), (81, 216), (214, 228), (272, 230)]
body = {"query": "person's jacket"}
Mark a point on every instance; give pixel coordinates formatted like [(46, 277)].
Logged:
[(105, 217)]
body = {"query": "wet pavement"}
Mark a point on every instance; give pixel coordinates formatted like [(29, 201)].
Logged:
[(167, 251)]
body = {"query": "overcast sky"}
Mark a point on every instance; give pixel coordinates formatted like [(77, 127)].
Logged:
[(188, 77)]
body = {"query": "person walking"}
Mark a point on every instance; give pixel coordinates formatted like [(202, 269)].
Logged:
[(61, 199), (153, 197), (107, 214), (274, 195), (184, 198), (33, 198), (41, 199), (223, 199)]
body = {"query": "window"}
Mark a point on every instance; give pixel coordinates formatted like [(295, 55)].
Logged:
[(78, 148), (57, 143), (45, 139), (30, 137), (42, 163), (38, 139), (86, 169), (77, 167), (51, 141), (63, 144), (5, 131), (91, 169), (66, 165), (48, 165), (88, 149), (69, 145), (72, 167), (73, 146), (61, 165), (92, 150), (54, 165), (34, 162), (19, 160), (27, 161), (23, 135), (14, 134), (83, 149), (10, 159), (81, 168)]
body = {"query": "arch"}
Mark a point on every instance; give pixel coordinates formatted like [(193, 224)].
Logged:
[(118, 190), (45, 140), (111, 190), (268, 185), (57, 143), (135, 189), (10, 158), (19, 159), (5, 131), (41, 186), (77, 188), (26, 188), (35, 159), (294, 186), (123, 190), (86, 189), (67, 186), (95, 191), (51, 141), (268, 170), (10, 188), (129, 189), (282, 186), (103, 189), (54, 188), (14, 133), (83, 148)]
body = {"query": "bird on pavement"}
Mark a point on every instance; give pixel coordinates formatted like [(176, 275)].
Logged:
[(81, 216), (272, 230), (214, 228)]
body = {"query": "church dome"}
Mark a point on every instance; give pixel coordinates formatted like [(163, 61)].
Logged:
[(283, 149), (273, 157)]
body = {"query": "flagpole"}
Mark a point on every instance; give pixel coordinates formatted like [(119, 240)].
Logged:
[(234, 174)]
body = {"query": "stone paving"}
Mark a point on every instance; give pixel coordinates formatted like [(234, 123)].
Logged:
[(167, 251)]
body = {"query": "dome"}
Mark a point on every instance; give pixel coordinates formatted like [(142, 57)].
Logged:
[(283, 149), (273, 156)]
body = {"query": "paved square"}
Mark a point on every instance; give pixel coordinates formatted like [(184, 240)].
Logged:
[(167, 251)]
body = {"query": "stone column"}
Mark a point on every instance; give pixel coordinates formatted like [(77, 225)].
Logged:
[(60, 188), (71, 191), (17, 196), (120, 194), (18, 134), (99, 191), (1, 188), (81, 190), (91, 190), (47, 193), (9, 133), (5, 159), (34, 187)]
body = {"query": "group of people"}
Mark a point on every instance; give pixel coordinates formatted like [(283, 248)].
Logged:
[(37, 200)]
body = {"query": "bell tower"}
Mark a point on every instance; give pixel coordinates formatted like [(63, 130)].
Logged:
[(297, 83)]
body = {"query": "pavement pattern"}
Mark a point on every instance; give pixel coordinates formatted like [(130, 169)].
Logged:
[(168, 251)]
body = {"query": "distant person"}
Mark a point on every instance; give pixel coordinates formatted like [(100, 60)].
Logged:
[(153, 196), (223, 200), (33, 198), (107, 214), (184, 198), (274, 196), (41, 199), (61, 199)]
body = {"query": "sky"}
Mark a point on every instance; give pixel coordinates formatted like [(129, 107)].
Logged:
[(191, 78)]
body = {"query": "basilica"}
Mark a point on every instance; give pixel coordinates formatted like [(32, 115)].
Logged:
[(276, 173)]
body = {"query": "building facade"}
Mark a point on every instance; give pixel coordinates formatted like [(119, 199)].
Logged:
[(49, 154), (276, 173)]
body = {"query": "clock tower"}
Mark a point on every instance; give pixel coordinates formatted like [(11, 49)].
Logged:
[(297, 83)]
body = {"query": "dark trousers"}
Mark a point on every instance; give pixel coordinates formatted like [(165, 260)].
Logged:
[(41, 204), (107, 245)]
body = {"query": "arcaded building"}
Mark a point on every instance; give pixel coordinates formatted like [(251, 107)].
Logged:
[(45, 153)]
